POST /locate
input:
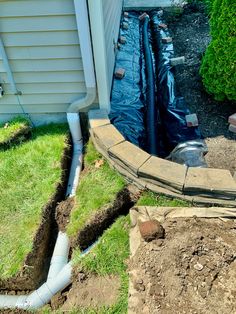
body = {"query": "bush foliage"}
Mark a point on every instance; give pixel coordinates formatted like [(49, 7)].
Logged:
[(218, 68)]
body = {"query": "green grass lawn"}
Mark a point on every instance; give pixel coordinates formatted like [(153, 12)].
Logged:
[(149, 198), (8, 130), (98, 186), (29, 174)]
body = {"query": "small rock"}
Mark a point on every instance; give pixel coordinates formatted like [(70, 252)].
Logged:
[(162, 25), (125, 25), (126, 14), (122, 39), (139, 286), (151, 230), (159, 242), (167, 40), (139, 281), (191, 120), (177, 61), (198, 266), (119, 73)]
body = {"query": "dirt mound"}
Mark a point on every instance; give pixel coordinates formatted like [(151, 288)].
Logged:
[(192, 270), (93, 291)]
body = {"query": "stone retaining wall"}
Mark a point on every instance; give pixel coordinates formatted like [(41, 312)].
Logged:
[(198, 185)]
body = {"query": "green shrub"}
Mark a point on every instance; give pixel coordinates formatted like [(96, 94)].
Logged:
[(218, 68)]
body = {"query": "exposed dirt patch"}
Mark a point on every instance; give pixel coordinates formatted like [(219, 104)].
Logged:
[(93, 291), (102, 219), (63, 211), (192, 270), (36, 263), (190, 38)]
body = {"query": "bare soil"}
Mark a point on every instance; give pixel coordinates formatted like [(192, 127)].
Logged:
[(190, 32), (63, 211), (192, 270), (92, 292)]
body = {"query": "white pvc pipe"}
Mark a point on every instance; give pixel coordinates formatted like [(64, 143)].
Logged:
[(76, 164), (60, 255), (59, 275)]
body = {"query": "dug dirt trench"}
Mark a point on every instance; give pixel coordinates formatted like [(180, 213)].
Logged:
[(36, 264), (81, 293)]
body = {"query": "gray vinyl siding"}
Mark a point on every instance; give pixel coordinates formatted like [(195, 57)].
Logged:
[(42, 44), (112, 14)]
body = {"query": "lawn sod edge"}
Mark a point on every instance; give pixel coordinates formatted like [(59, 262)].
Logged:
[(99, 189), (36, 263), (108, 257), (14, 132)]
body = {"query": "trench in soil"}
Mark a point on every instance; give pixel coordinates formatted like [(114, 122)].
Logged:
[(59, 215), (36, 264)]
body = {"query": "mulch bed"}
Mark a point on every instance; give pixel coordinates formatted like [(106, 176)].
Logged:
[(191, 37)]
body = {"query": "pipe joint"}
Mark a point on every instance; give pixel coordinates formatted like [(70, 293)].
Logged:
[(84, 102)]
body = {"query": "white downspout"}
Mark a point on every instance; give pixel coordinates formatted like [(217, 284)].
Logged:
[(59, 275), (83, 26), (81, 12)]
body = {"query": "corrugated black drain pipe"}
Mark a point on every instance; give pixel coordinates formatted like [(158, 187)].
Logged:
[(151, 119)]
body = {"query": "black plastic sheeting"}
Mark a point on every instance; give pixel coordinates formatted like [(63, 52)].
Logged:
[(127, 99), (132, 96), (172, 109)]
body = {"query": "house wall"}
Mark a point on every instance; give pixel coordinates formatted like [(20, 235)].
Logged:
[(42, 44)]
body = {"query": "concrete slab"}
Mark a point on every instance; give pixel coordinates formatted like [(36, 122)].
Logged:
[(129, 155), (210, 181), (107, 136), (150, 4), (164, 171), (98, 117)]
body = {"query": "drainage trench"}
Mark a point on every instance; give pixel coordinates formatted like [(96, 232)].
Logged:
[(88, 236), (37, 262), (144, 105)]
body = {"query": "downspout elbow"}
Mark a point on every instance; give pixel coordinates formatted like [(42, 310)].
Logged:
[(85, 102)]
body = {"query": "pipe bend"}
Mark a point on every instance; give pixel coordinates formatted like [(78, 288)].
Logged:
[(83, 102)]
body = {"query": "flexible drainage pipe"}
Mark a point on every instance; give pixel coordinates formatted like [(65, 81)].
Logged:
[(150, 92)]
